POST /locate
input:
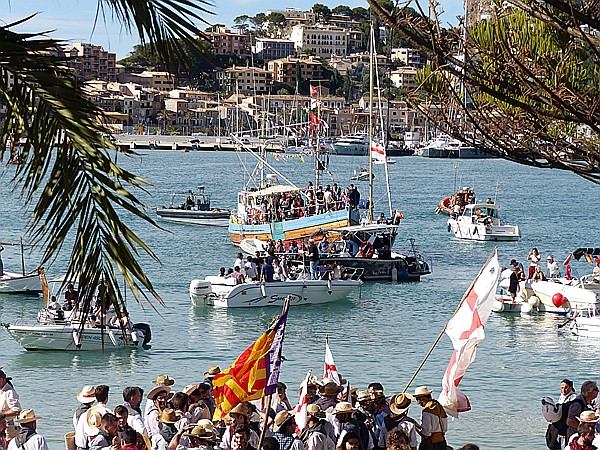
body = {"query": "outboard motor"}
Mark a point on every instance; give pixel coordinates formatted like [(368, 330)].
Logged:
[(145, 329), (199, 291)]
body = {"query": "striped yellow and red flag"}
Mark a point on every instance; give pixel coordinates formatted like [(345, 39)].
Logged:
[(254, 374)]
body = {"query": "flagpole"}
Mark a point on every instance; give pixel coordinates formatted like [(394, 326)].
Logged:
[(265, 424), (445, 326)]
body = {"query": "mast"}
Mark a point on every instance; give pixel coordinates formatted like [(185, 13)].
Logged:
[(318, 144), (372, 39)]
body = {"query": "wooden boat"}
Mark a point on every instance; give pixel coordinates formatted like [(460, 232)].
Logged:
[(29, 283)]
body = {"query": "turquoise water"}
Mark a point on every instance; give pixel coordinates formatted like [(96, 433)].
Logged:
[(380, 333)]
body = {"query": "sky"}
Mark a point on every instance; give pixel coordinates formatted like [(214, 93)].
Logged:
[(73, 20)]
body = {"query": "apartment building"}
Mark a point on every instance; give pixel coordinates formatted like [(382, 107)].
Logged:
[(91, 61), (294, 16), (245, 80), (409, 57), (404, 78), (320, 40), (227, 42), (268, 49), (161, 81), (286, 70)]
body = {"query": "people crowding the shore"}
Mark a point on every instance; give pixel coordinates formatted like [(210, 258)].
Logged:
[(337, 418)]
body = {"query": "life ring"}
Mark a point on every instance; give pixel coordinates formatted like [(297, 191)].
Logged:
[(366, 249)]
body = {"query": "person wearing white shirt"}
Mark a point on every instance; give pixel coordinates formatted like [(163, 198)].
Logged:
[(553, 270), (28, 438), (132, 397), (9, 399)]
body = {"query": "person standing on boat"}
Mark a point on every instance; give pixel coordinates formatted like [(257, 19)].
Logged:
[(519, 267), (250, 269), (71, 297), (9, 399), (267, 270), (534, 258), (313, 258), (239, 262), (513, 286), (553, 269)]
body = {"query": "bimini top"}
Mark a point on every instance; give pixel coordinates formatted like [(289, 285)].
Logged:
[(277, 189), (592, 251)]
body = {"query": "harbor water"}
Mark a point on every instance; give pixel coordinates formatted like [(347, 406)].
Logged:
[(380, 333)]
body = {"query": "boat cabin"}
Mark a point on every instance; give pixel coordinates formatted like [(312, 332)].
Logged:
[(479, 212), (195, 201)]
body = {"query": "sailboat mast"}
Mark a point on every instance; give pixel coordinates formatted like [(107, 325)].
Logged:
[(318, 144), (372, 39)]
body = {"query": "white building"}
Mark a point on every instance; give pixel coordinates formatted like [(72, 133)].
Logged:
[(320, 40)]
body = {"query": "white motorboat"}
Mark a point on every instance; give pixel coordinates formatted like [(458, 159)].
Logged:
[(16, 283), (586, 323), (56, 330), (224, 293), (195, 209), (355, 145), (361, 175), (481, 222), (250, 246), (388, 160)]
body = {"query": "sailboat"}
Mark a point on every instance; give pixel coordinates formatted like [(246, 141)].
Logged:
[(368, 246), (19, 283), (284, 211)]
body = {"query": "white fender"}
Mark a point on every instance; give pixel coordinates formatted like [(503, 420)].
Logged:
[(262, 289)]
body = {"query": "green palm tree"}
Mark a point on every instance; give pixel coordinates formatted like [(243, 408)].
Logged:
[(69, 178)]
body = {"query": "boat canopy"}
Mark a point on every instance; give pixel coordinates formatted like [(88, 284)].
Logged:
[(481, 209), (277, 189), (591, 251)]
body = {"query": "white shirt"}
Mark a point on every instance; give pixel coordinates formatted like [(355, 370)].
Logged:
[(83, 432), (433, 424), (35, 442), (135, 421), (553, 270), (9, 399), (250, 268), (319, 441), (228, 435), (153, 426), (406, 426), (535, 260)]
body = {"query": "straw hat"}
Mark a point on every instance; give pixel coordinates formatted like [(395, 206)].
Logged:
[(87, 394), (343, 408), (422, 391), (168, 415), (281, 419), (157, 390), (190, 388), (364, 396), (93, 417), (212, 371), (588, 417), (242, 409), (315, 411), (26, 416), (400, 403), (163, 380), (202, 433), (329, 387), (208, 425), (378, 396)]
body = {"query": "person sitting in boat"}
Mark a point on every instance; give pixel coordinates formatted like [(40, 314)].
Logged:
[(538, 274), (54, 305), (121, 321), (293, 247), (236, 273), (279, 247), (553, 269), (332, 250), (384, 253), (278, 271), (382, 218), (596, 271)]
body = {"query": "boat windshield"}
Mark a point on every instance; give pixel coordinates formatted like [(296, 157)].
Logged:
[(482, 211)]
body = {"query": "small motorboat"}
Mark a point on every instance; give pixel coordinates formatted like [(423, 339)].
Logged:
[(361, 175), (250, 246), (61, 330), (505, 304), (195, 209), (223, 292), (481, 222)]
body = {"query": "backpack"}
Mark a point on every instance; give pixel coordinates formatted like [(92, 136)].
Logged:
[(561, 424), (551, 412)]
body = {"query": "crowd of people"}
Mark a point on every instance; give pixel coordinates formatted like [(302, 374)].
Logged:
[(280, 206), (574, 417), (337, 418)]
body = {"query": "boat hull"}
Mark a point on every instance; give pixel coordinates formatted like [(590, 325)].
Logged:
[(481, 232), (65, 337), (252, 295), (14, 283), (586, 327), (407, 268), (577, 298), (217, 218), (294, 229)]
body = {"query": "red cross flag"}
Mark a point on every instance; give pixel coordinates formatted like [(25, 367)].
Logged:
[(300, 409), (314, 90), (466, 330), (330, 369)]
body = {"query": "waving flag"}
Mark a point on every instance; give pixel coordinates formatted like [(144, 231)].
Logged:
[(315, 103), (330, 369), (300, 408), (314, 90), (567, 265), (466, 330), (378, 152), (254, 374)]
